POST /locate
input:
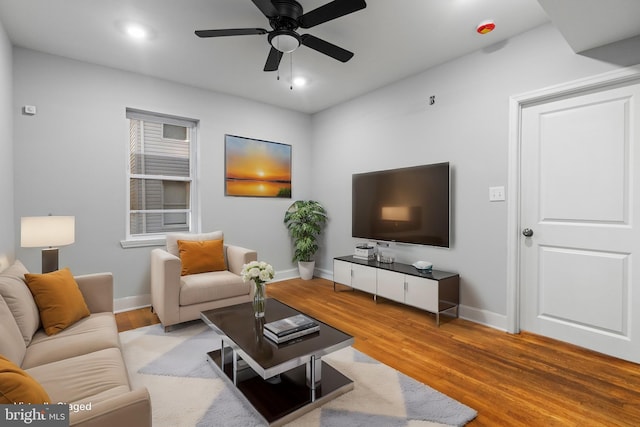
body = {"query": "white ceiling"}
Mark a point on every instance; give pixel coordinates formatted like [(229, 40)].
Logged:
[(391, 40)]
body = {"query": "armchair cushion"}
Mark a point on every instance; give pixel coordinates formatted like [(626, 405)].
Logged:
[(201, 256), (172, 239), (213, 286), (58, 298)]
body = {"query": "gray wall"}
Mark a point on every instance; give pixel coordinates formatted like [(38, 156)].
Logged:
[(468, 126), (73, 155), (7, 233)]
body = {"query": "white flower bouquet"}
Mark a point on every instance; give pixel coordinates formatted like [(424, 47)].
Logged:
[(258, 272)]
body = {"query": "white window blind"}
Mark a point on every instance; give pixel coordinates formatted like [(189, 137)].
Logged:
[(161, 174)]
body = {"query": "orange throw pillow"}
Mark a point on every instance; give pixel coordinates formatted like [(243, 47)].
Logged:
[(58, 298), (16, 386), (201, 256)]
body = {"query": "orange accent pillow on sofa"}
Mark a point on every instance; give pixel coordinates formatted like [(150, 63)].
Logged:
[(58, 298), (201, 256), (16, 386)]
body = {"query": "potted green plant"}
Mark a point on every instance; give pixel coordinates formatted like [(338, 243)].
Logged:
[(304, 220)]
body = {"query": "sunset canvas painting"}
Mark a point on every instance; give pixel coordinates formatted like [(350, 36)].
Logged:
[(255, 168)]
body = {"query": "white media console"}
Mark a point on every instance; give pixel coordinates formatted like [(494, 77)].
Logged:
[(435, 291)]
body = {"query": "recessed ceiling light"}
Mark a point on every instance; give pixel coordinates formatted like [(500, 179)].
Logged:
[(300, 81), (136, 31)]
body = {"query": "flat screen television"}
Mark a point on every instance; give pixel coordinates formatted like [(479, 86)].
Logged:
[(409, 205)]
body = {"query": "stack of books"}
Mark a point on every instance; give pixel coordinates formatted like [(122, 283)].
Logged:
[(290, 328)]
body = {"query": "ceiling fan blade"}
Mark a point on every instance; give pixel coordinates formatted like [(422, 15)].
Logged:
[(273, 60), (325, 47), (329, 11), (231, 32), (266, 7)]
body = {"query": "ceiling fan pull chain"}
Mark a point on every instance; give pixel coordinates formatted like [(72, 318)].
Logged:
[(278, 70), (291, 70)]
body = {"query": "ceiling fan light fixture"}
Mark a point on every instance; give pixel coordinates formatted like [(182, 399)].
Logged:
[(286, 41)]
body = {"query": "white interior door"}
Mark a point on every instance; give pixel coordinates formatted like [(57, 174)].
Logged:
[(580, 182)]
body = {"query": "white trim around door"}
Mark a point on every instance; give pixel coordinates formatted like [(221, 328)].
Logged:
[(612, 79)]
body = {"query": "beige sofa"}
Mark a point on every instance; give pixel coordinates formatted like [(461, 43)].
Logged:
[(178, 299), (82, 365)]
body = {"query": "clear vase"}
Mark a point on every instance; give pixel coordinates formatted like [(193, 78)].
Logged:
[(259, 300)]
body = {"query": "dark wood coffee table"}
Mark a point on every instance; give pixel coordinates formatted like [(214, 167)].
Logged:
[(280, 381)]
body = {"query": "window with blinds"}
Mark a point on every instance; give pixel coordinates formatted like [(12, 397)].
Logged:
[(160, 173)]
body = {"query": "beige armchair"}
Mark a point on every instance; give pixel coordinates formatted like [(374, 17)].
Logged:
[(178, 299)]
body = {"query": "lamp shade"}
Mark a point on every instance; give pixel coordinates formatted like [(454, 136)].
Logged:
[(42, 231)]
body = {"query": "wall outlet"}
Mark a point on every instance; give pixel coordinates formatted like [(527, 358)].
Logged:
[(496, 194)]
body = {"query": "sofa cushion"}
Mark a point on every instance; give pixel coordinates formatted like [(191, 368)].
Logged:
[(17, 386), (90, 377), (216, 285), (93, 333), (58, 298), (201, 256), (15, 292), (11, 343), (172, 239)]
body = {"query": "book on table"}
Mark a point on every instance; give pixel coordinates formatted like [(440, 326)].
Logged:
[(292, 327), (291, 336)]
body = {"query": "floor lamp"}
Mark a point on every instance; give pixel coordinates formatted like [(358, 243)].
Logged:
[(48, 232)]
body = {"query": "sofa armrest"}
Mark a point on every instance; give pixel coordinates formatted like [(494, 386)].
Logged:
[(128, 409), (97, 290), (165, 286), (237, 257)]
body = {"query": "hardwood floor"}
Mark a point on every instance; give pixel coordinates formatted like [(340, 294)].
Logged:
[(134, 319), (511, 380)]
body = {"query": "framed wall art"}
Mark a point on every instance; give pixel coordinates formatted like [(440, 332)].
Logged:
[(256, 168)]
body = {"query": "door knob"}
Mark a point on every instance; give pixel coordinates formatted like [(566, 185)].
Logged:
[(527, 232)]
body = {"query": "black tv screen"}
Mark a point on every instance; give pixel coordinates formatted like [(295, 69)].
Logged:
[(409, 205)]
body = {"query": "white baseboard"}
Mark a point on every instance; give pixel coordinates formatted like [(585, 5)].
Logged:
[(484, 317), (286, 274), (323, 273), (295, 274), (131, 303)]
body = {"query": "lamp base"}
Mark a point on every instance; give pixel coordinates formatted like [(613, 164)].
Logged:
[(49, 260)]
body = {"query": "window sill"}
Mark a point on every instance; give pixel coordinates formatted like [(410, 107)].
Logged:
[(142, 243)]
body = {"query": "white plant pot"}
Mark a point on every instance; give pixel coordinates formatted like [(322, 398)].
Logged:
[(306, 269)]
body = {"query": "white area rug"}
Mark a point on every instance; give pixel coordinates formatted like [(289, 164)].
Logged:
[(186, 391)]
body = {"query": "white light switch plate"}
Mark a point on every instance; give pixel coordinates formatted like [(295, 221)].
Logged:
[(496, 194)]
